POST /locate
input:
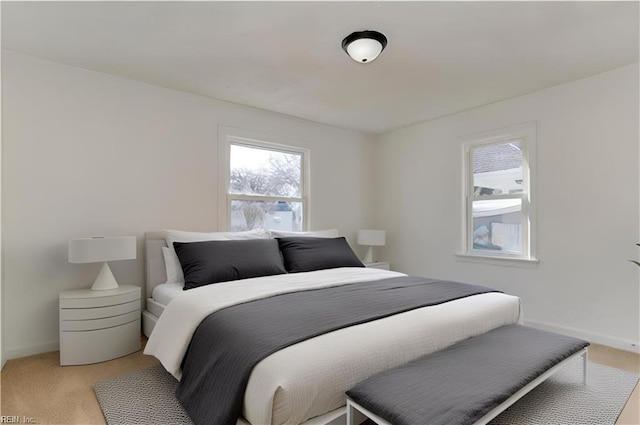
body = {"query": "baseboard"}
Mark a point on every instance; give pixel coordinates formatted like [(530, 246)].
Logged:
[(621, 344), (16, 353)]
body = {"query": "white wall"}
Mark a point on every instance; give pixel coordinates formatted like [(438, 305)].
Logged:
[(87, 153), (3, 359), (587, 204)]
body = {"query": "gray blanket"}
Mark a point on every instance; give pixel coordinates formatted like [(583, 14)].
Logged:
[(230, 342)]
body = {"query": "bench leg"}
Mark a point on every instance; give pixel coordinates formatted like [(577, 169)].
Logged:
[(357, 414), (584, 367), (350, 420)]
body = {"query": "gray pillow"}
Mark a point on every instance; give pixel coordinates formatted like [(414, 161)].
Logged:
[(305, 254), (204, 263)]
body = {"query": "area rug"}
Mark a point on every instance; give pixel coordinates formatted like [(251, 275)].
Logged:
[(147, 397)]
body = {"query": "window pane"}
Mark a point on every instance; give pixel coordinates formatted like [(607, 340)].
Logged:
[(248, 215), (497, 225), (497, 169), (255, 171)]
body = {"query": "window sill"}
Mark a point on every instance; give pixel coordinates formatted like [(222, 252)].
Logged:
[(498, 261)]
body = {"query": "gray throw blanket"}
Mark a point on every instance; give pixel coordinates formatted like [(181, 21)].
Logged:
[(230, 342)]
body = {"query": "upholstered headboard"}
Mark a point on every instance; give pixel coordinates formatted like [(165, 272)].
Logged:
[(154, 261)]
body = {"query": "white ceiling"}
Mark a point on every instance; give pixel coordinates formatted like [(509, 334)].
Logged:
[(442, 57)]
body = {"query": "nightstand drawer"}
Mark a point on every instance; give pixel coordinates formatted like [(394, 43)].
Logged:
[(95, 324), (98, 312), (384, 265), (100, 345), (102, 301)]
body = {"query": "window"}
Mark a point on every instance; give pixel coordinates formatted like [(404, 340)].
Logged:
[(498, 196), (265, 186)]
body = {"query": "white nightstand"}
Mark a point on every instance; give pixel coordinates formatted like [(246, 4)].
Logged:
[(96, 326), (384, 265)]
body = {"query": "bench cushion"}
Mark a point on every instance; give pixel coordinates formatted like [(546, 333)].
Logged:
[(460, 384)]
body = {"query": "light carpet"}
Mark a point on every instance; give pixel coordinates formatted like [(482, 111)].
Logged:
[(146, 397)]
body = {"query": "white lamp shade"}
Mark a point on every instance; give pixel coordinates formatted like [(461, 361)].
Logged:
[(364, 49), (371, 237), (93, 250)]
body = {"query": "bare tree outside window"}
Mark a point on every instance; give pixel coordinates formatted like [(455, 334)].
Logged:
[(266, 188)]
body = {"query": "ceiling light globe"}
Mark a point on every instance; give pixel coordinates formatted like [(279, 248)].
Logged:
[(364, 46), (364, 50)]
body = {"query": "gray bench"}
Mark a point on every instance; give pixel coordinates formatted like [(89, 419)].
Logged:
[(470, 382)]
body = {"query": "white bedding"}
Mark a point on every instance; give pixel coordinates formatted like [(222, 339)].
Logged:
[(165, 292), (309, 379)]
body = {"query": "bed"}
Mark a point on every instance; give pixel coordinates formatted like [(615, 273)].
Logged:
[(156, 281), (306, 382)]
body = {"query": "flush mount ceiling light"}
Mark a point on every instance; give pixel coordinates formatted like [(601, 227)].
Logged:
[(364, 46)]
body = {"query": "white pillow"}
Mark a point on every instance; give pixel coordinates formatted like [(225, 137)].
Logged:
[(329, 233), (172, 266), (184, 236)]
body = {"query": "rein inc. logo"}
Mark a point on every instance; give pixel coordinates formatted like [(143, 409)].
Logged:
[(16, 420)]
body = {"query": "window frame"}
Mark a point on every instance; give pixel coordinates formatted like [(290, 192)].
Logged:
[(228, 136), (527, 133)]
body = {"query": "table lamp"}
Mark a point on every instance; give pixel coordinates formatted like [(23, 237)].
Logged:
[(102, 249), (371, 238)]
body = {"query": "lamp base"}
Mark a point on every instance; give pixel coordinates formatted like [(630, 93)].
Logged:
[(105, 280), (369, 257)]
